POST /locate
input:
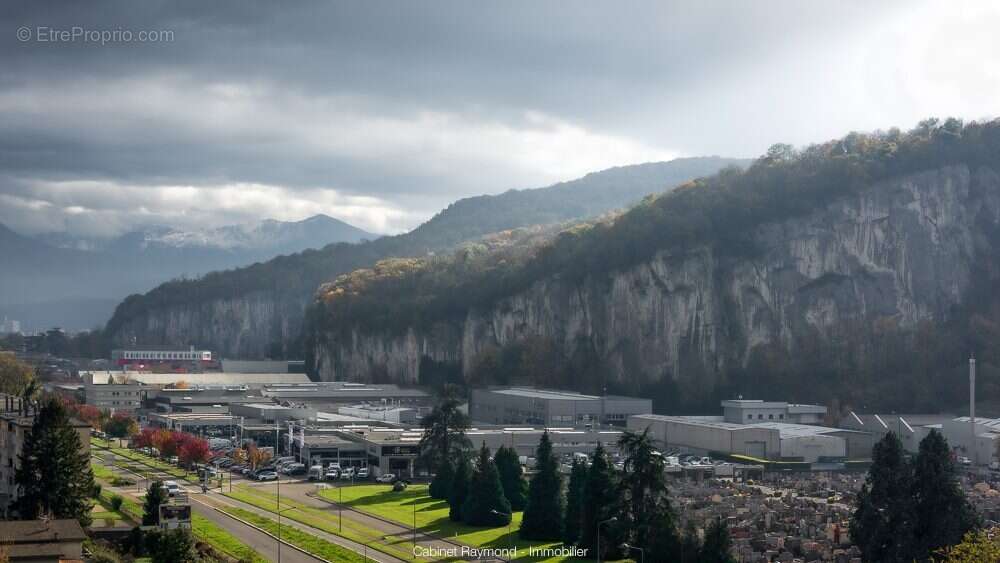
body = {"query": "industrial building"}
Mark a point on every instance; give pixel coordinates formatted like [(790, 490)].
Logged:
[(331, 395), (910, 428), (758, 429), (384, 413), (527, 405)]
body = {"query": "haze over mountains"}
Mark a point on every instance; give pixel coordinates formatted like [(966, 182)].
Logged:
[(257, 311), (59, 279)]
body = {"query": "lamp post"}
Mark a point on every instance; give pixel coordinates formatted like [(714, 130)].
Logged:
[(608, 521), (279, 511), (628, 549), (510, 519)]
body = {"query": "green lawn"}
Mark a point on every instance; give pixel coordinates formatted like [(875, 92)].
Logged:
[(432, 517), (208, 532), (325, 520), (298, 538)]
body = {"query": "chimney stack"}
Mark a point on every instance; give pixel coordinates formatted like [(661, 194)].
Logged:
[(972, 408)]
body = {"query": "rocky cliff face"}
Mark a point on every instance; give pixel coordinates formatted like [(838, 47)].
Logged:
[(902, 251), (255, 325)]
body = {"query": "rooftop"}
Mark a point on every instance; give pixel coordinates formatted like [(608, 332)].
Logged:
[(40, 531), (533, 393), (785, 429)]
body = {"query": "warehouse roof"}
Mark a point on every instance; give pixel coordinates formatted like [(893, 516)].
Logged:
[(785, 429), (544, 394)]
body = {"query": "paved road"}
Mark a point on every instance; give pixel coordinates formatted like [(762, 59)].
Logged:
[(207, 503), (265, 544), (300, 492)]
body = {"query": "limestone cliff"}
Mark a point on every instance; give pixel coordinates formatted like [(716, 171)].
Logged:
[(902, 250)]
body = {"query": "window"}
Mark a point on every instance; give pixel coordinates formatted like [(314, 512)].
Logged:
[(760, 417), (749, 417), (781, 417), (770, 417)]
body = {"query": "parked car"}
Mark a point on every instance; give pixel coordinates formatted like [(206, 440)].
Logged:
[(174, 459), (386, 478), (347, 474), (332, 473), (316, 473), (171, 487), (267, 476), (363, 473)]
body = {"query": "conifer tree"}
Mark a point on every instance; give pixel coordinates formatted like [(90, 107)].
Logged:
[(883, 522), (459, 488), (511, 477), (574, 502), (485, 504), (600, 504), (715, 548), (544, 512), (440, 486), (943, 515), (155, 496), (54, 475)]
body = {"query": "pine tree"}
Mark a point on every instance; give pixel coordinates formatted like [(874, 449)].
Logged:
[(643, 484), (459, 488), (574, 502), (440, 486), (54, 476), (600, 503), (543, 517), (943, 515), (664, 544), (882, 523), (155, 496), (715, 548), (485, 504), (174, 546), (511, 477)]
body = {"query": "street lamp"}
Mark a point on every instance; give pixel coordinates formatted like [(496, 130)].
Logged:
[(510, 519), (278, 512), (608, 521), (628, 549)]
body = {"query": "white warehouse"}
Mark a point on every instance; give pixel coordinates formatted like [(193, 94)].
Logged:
[(767, 439)]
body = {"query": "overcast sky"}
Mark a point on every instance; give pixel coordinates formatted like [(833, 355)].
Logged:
[(381, 114)]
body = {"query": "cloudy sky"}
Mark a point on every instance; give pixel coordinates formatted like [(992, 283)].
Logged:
[(196, 114)]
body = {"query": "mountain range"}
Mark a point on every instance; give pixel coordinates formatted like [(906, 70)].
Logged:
[(60, 279), (258, 311)]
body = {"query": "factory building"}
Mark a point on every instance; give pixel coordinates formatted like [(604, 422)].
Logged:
[(331, 395), (910, 428), (763, 432), (527, 405)]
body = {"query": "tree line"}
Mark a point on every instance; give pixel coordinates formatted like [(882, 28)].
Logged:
[(607, 512)]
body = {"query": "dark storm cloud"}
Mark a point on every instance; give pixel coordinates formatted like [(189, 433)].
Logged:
[(408, 104)]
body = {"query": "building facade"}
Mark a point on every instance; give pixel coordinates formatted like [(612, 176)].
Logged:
[(526, 405), (14, 427)]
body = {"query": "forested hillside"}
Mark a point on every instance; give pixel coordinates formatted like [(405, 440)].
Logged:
[(861, 268), (257, 311)]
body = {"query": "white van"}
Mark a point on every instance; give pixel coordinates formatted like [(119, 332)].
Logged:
[(316, 473)]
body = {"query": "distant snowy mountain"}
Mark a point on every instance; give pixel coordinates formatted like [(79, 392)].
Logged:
[(45, 273)]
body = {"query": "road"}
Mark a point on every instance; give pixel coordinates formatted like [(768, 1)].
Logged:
[(262, 542), (207, 505)]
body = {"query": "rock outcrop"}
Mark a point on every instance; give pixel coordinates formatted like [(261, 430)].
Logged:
[(902, 250)]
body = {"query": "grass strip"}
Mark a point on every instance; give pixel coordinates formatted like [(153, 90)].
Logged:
[(326, 521), (302, 540), (216, 536)]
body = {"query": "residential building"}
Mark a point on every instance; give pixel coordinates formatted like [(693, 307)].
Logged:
[(42, 541), (14, 427)]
